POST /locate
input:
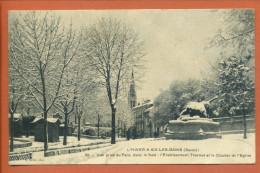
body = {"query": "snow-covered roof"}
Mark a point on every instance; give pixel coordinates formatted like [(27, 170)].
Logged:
[(35, 120), (149, 109), (87, 123), (16, 116), (143, 105), (63, 125), (50, 120)]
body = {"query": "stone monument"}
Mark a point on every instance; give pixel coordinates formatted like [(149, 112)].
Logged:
[(194, 123)]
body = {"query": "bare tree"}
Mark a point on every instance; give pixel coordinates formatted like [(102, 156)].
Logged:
[(66, 106), (113, 50), (98, 120), (41, 53), (236, 38), (125, 117), (68, 87), (86, 87), (27, 118), (15, 97), (78, 89), (78, 116), (97, 106)]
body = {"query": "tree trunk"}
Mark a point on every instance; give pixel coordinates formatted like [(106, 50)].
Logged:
[(45, 133), (113, 135), (245, 130), (124, 130), (12, 132), (98, 124), (28, 122), (65, 128), (150, 126), (79, 129), (27, 131), (118, 129), (45, 115)]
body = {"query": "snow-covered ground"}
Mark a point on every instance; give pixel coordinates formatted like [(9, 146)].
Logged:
[(72, 141), (231, 149)]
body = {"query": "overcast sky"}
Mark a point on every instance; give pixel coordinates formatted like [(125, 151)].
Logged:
[(175, 41)]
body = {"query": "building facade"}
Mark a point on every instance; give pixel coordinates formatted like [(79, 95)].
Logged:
[(143, 120), (144, 126)]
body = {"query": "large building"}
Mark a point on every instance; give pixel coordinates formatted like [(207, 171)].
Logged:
[(143, 120), (144, 126)]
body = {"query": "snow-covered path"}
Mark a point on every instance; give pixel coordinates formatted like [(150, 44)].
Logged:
[(229, 149)]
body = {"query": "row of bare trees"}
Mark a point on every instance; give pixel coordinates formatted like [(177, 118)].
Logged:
[(54, 66), (115, 50)]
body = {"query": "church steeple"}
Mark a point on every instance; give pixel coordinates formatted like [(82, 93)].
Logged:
[(132, 93)]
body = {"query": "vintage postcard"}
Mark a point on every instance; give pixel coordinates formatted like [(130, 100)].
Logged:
[(173, 86)]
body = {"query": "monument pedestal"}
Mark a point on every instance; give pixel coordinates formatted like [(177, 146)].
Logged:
[(193, 128)]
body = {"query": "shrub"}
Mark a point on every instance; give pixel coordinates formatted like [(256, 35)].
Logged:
[(90, 132)]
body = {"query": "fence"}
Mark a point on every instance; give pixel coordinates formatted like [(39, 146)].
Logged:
[(25, 156), (88, 136), (235, 123)]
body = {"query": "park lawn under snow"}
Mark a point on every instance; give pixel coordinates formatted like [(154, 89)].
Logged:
[(231, 149), (72, 141)]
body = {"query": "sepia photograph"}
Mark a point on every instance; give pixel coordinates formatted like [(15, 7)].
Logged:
[(143, 86)]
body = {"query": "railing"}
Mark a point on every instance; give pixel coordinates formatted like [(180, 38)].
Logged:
[(15, 157)]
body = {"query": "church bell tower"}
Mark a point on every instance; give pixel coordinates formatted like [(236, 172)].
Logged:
[(132, 93)]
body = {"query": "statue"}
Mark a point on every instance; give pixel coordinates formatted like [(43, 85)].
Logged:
[(200, 109), (194, 123)]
